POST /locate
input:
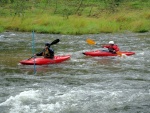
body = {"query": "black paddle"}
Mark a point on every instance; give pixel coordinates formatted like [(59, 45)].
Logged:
[(54, 42)]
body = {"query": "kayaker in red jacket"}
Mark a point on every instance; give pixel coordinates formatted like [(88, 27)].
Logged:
[(47, 52), (111, 47)]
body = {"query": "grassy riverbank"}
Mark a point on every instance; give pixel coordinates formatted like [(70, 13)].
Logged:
[(76, 18)]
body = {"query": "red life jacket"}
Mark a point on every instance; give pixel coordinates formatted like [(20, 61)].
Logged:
[(112, 48)]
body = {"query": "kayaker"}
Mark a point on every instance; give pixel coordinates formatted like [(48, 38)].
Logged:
[(113, 48), (47, 52)]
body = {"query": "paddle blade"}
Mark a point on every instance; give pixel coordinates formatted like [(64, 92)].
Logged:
[(90, 41), (119, 53), (55, 41)]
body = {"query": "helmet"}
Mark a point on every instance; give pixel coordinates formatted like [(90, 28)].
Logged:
[(47, 44), (111, 42)]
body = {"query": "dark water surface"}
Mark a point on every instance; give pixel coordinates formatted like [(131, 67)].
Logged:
[(79, 85)]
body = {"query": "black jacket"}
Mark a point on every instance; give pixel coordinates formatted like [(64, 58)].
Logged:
[(50, 53)]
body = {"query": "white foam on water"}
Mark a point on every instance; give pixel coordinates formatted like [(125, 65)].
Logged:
[(50, 107), (21, 102), (12, 34), (2, 37), (83, 98)]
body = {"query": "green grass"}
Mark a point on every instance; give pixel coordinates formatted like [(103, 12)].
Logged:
[(1, 29), (92, 18)]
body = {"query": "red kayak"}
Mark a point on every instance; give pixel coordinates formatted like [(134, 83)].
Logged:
[(45, 61), (103, 53)]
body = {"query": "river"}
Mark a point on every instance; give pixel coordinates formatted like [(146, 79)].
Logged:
[(80, 85)]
